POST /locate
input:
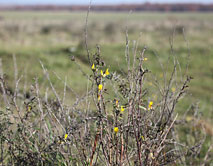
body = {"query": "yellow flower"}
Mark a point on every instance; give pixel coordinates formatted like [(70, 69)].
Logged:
[(65, 136), (102, 74), (61, 142), (122, 109), (100, 87), (107, 72), (116, 103), (116, 130), (150, 105), (145, 59), (29, 108), (188, 118), (93, 66), (99, 97), (151, 156), (143, 138), (173, 89)]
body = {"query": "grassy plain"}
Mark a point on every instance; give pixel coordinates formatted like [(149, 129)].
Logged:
[(53, 37)]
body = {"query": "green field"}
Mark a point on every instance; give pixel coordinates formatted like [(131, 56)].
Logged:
[(53, 37)]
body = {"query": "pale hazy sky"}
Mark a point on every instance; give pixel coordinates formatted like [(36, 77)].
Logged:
[(97, 1)]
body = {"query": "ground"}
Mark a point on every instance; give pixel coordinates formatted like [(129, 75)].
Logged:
[(54, 37)]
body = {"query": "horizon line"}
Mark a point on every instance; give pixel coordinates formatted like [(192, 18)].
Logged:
[(102, 4)]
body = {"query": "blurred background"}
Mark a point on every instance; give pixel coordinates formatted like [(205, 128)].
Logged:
[(53, 31)]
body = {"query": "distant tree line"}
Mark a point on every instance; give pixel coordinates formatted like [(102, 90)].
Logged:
[(178, 7)]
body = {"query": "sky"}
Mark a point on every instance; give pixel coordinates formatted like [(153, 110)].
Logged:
[(85, 2)]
